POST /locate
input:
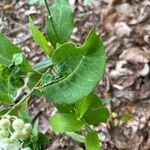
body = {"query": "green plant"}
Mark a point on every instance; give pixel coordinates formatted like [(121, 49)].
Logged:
[(67, 77)]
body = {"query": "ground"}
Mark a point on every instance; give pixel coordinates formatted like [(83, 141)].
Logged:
[(124, 26)]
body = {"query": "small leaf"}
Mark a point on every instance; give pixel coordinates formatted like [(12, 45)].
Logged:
[(96, 116), (17, 82), (5, 110), (59, 25), (41, 2), (47, 78), (8, 50), (82, 68), (23, 112), (76, 137), (42, 65), (92, 141), (42, 139), (97, 113), (35, 130), (83, 105), (63, 122), (17, 59), (65, 108), (39, 38)]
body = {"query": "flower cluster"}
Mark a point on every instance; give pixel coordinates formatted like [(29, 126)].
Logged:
[(13, 132)]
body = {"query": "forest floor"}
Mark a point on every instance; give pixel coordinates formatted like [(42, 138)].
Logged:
[(124, 26)]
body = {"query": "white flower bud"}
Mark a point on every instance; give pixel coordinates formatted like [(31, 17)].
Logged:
[(5, 123), (15, 136), (4, 133), (24, 135), (28, 127), (9, 146), (18, 124)]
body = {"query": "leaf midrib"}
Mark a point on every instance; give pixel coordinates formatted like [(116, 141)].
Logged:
[(71, 74)]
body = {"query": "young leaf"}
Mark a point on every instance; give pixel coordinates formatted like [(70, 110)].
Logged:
[(41, 2), (82, 68), (23, 112), (39, 38), (65, 108), (59, 25), (92, 141), (76, 136), (7, 51), (96, 113), (96, 116), (42, 139), (63, 122), (84, 104), (17, 59), (5, 110), (42, 65)]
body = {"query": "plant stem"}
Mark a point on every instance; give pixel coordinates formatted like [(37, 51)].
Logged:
[(24, 98), (50, 17)]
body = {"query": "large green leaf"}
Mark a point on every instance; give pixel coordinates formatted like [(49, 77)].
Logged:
[(92, 141), (8, 50), (63, 122), (81, 68), (39, 38), (59, 25)]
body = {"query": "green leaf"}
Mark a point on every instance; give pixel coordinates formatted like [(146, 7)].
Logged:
[(97, 112), (17, 59), (82, 69), (65, 108), (92, 141), (8, 51), (59, 25), (63, 122), (41, 2), (5, 110), (96, 116), (34, 77), (42, 139), (23, 112), (84, 104), (6, 92), (42, 65), (76, 137), (17, 82), (39, 38), (35, 130)]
